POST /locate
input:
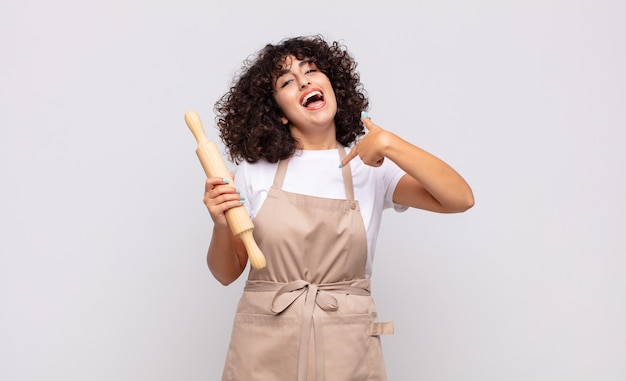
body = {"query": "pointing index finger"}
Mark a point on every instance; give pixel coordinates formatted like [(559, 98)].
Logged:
[(351, 155)]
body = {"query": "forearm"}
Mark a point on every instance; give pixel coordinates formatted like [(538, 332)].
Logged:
[(225, 257)]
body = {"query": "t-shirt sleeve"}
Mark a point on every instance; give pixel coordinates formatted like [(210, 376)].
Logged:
[(391, 176), (242, 184), (253, 182)]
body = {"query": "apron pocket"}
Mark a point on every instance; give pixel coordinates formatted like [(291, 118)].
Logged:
[(263, 348), (347, 344)]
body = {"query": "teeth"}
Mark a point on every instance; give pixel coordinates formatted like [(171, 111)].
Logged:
[(309, 95)]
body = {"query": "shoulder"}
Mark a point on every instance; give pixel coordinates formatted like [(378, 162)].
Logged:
[(260, 166), (255, 174)]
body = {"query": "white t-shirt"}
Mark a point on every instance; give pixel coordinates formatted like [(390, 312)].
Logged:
[(317, 173)]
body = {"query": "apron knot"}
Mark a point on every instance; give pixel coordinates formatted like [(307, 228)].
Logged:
[(290, 292), (287, 294)]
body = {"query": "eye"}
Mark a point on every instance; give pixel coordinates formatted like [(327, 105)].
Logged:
[(283, 81), (310, 68)]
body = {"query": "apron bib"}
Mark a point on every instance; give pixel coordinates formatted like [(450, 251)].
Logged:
[(308, 315)]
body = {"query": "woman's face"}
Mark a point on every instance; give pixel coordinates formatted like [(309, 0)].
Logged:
[(305, 95)]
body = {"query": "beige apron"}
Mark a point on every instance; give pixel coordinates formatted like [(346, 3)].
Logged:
[(308, 315)]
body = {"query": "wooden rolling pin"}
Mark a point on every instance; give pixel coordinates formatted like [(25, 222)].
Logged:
[(214, 166)]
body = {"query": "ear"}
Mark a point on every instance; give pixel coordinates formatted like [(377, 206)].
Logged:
[(284, 120)]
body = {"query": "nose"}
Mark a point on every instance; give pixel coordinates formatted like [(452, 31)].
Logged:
[(304, 83)]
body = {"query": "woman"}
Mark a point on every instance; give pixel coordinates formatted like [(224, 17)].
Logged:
[(315, 187)]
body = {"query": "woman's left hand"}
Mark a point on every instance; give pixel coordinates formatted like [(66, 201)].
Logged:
[(371, 148)]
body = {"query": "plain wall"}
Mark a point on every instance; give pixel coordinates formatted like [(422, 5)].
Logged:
[(103, 233)]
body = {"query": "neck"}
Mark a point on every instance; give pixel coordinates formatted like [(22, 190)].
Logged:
[(309, 146), (322, 141)]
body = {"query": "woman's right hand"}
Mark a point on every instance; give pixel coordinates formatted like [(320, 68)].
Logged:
[(227, 256), (219, 196)]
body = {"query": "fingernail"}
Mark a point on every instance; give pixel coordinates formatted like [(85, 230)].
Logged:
[(340, 165), (363, 114), (242, 199), (226, 181), (237, 191)]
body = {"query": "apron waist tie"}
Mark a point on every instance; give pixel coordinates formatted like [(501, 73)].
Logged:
[(287, 293)]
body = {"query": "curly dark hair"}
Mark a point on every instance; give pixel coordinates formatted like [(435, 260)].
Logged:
[(248, 118)]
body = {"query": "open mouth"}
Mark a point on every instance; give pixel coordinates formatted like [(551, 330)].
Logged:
[(312, 97)]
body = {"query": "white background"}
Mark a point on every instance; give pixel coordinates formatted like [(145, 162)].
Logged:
[(104, 234)]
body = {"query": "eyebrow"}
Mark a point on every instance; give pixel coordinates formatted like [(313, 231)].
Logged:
[(282, 72)]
